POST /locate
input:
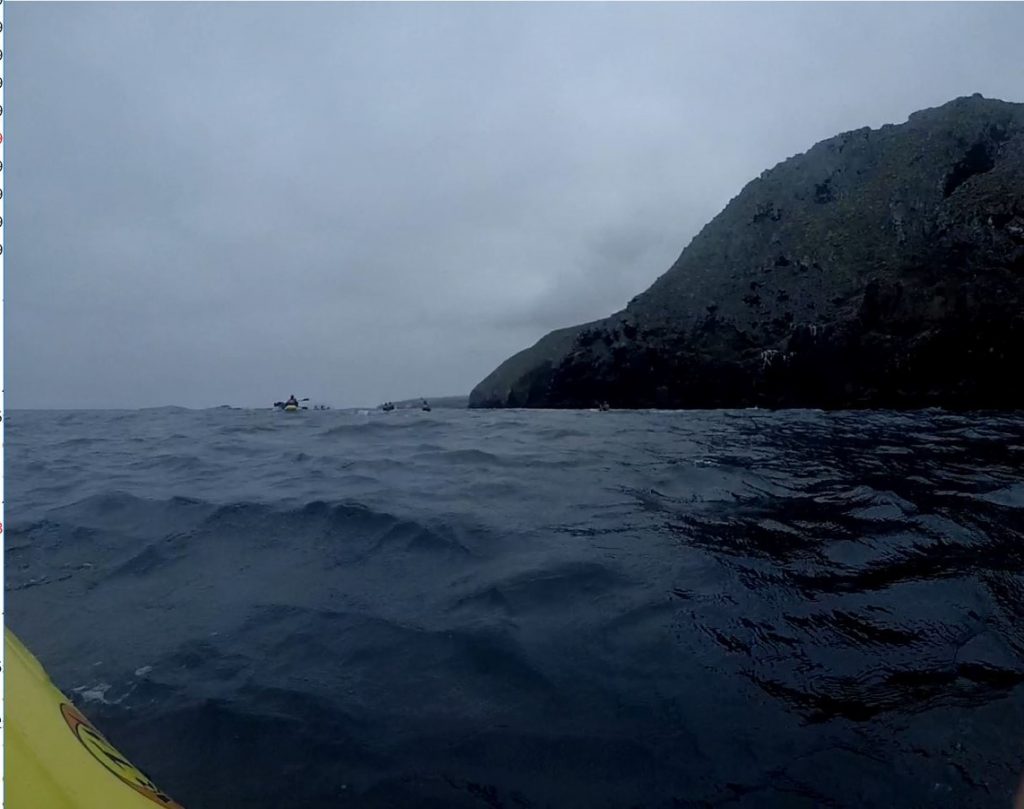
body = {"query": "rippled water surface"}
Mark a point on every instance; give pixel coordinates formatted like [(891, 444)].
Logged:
[(532, 609)]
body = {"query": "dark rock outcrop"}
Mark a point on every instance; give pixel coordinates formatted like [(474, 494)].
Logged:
[(882, 268)]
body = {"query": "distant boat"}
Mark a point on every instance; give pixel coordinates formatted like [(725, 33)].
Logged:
[(387, 407), (425, 406), (291, 408)]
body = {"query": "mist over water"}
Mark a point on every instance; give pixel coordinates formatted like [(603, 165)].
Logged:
[(532, 608)]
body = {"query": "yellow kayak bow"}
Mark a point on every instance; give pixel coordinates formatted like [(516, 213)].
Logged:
[(53, 756)]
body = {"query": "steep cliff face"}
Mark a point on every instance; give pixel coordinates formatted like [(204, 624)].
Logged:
[(524, 379), (880, 268)]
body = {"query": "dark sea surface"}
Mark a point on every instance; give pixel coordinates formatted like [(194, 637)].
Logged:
[(532, 608)]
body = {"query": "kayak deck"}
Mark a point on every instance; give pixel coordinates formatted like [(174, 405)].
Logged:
[(53, 756)]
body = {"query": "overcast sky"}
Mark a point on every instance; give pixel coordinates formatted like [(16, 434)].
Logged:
[(227, 203)]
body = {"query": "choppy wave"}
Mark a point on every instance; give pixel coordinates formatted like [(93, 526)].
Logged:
[(564, 609)]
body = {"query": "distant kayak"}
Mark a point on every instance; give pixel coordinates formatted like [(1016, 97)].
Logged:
[(292, 404), (54, 757)]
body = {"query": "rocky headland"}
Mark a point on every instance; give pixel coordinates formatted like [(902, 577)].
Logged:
[(881, 268)]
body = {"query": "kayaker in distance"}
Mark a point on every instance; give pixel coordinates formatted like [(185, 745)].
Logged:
[(292, 401)]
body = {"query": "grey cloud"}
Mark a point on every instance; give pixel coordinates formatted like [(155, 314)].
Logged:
[(214, 203)]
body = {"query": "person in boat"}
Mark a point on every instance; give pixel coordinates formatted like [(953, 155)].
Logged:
[(292, 401)]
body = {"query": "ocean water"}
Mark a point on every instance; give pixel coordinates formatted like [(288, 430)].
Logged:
[(532, 608)]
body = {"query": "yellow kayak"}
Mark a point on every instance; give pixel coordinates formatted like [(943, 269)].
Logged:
[(291, 408), (53, 756)]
